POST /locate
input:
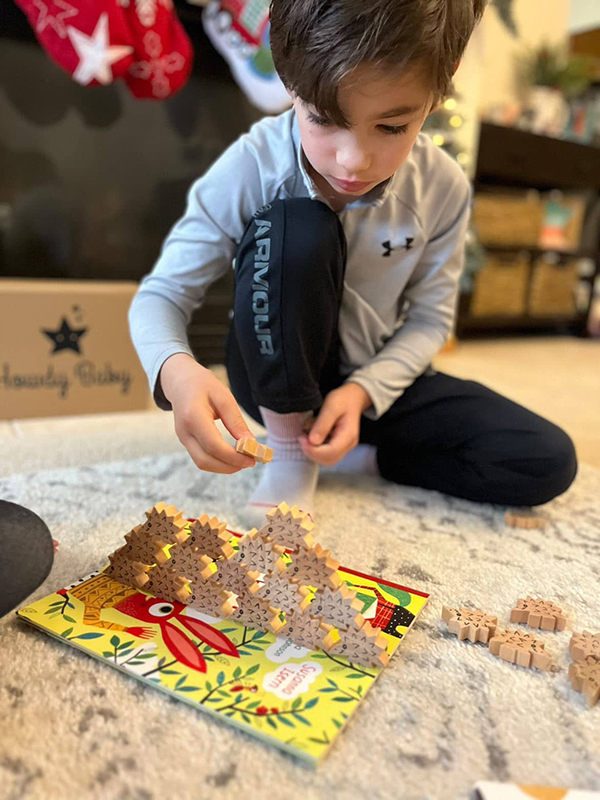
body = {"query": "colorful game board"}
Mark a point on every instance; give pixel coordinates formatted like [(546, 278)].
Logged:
[(293, 698)]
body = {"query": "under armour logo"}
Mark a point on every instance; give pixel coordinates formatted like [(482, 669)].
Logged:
[(387, 245)]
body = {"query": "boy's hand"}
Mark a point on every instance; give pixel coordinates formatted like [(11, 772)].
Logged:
[(338, 422), (198, 399)]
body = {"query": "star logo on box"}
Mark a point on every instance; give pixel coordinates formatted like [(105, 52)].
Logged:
[(65, 338)]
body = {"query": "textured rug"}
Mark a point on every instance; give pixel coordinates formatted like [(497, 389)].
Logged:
[(443, 715)]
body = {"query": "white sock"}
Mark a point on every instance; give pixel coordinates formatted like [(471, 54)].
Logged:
[(361, 460), (290, 476)]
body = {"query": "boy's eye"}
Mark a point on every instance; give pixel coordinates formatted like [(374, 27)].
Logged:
[(317, 120), (393, 130)]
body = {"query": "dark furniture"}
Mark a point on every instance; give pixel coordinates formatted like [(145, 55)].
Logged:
[(516, 159)]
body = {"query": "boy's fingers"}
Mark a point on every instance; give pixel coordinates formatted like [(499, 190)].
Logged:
[(323, 424), (231, 417), (206, 462), (209, 440)]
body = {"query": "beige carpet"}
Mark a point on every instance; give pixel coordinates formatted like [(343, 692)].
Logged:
[(444, 714)]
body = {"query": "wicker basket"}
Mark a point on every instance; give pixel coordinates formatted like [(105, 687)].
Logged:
[(501, 286), (507, 219), (553, 287)]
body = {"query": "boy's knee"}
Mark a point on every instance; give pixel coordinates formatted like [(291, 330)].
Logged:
[(299, 231), (557, 465)]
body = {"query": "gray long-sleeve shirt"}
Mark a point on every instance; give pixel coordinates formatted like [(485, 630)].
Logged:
[(405, 254)]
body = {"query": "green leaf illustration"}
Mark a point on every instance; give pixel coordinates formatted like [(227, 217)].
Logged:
[(189, 688), (66, 633), (355, 675), (181, 681), (312, 702), (208, 685), (328, 689), (342, 699), (337, 723), (126, 644), (253, 705), (253, 669), (237, 672), (115, 641), (246, 718), (297, 702), (332, 683), (89, 636), (301, 718), (271, 722), (287, 721), (221, 678)]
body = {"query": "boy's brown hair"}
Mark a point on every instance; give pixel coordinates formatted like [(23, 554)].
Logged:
[(316, 43)]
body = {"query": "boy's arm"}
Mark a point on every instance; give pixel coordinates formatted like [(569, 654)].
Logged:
[(431, 294), (199, 250)]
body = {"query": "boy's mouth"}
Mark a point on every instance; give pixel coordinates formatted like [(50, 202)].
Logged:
[(351, 186)]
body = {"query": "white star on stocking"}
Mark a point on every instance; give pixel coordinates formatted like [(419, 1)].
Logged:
[(95, 53), (56, 21)]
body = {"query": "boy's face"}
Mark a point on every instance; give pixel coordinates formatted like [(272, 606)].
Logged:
[(385, 114)]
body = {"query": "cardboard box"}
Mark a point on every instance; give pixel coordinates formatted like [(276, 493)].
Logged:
[(65, 349)]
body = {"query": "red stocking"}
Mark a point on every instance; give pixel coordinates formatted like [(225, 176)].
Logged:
[(89, 39), (163, 52)]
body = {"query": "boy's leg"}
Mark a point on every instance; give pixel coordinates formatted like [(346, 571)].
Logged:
[(463, 439), (283, 348)]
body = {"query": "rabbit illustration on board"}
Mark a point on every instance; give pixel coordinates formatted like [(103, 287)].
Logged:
[(101, 592)]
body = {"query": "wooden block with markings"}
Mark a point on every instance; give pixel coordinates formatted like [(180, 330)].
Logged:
[(365, 646), (539, 614), (520, 648), (471, 624), (252, 448), (339, 607)]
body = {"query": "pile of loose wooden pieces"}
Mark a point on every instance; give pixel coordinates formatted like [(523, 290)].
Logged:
[(524, 649), (300, 596)]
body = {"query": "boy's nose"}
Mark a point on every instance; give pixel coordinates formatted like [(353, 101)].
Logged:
[(354, 160)]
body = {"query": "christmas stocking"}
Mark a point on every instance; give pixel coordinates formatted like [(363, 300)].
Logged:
[(240, 32), (89, 39), (163, 52)]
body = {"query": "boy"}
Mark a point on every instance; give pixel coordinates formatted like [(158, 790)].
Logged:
[(347, 229)]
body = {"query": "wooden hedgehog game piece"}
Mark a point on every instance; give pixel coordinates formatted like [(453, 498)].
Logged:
[(252, 448), (314, 567), (471, 624), (584, 646), (209, 536), (280, 593), (365, 646), (305, 630), (585, 678), (167, 584), (124, 570), (259, 554), (165, 522), (288, 527), (210, 598), (520, 648), (230, 574), (539, 614), (256, 613), (524, 518), (339, 607)]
